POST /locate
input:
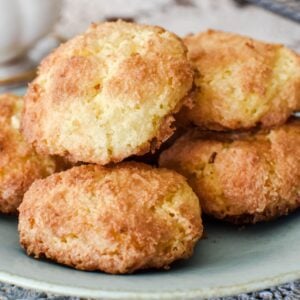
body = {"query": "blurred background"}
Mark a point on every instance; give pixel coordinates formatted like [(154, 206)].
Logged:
[(31, 29), (188, 16)]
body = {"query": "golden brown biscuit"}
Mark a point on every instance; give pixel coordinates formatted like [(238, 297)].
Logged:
[(241, 177), (114, 219), (108, 94), (241, 82), (19, 164)]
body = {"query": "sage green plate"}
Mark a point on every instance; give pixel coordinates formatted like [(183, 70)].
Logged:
[(229, 261)]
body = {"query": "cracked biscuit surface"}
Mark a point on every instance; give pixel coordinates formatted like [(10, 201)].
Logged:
[(108, 94), (114, 219), (20, 165), (241, 82), (241, 177)]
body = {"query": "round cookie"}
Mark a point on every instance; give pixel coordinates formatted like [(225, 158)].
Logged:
[(108, 94), (114, 219), (19, 163), (241, 177), (240, 82)]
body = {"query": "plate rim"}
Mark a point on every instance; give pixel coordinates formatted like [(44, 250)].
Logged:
[(220, 291)]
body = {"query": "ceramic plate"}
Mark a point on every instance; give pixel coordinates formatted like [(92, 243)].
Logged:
[(229, 261)]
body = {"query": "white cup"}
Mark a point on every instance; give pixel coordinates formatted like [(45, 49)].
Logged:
[(23, 23)]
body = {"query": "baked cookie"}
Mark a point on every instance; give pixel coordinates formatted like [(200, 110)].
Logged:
[(19, 163), (241, 82), (114, 219), (241, 177), (108, 94)]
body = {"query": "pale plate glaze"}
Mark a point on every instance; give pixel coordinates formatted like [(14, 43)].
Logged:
[(229, 261)]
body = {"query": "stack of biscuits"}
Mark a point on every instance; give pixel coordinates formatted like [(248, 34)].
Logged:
[(242, 158), (220, 103)]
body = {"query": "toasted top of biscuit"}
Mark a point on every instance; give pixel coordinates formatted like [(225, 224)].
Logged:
[(242, 82), (108, 93), (19, 163), (115, 219)]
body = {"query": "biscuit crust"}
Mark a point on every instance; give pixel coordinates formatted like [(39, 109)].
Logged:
[(108, 94), (241, 177), (114, 219), (241, 82), (20, 165)]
